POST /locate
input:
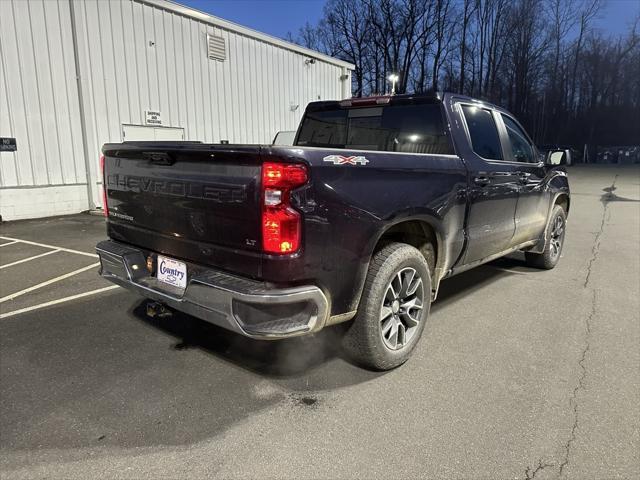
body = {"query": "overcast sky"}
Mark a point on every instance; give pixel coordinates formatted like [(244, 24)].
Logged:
[(277, 17)]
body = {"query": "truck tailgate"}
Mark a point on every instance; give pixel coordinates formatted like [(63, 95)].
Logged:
[(197, 202)]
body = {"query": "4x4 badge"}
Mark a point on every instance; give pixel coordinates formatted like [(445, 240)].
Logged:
[(342, 160)]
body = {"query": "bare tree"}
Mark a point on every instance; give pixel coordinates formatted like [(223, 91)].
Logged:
[(585, 17), (443, 30), (468, 9), (347, 20), (541, 58)]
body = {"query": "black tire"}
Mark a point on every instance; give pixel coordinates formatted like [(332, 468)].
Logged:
[(365, 341), (555, 241)]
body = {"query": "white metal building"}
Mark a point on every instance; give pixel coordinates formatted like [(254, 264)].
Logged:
[(75, 74)]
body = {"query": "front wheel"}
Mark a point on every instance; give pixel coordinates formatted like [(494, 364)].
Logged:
[(393, 308), (555, 241)]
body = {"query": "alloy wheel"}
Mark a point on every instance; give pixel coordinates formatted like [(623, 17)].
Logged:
[(557, 236), (401, 310)]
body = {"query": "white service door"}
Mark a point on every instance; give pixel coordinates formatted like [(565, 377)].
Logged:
[(169, 133), (132, 133)]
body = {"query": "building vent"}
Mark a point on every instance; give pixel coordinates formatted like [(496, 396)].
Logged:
[(215, 48)]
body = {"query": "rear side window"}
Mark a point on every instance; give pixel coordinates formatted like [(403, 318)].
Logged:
[(521, 149), (413, 128), (485, 140)]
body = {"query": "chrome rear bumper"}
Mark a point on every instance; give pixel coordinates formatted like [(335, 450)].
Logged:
[(245, 306)]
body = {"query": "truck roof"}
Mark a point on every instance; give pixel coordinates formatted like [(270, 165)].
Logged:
[(396, 99), (372, 100)]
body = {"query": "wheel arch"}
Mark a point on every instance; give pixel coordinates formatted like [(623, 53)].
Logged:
[(421, 234), (564, 201)]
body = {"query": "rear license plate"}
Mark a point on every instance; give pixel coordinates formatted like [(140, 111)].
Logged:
[(172, 272)]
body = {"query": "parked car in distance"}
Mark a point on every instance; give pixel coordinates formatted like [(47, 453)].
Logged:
[(284, 138), (378, 200)]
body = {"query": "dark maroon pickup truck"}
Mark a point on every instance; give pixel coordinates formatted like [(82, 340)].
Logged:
[(377, 202)]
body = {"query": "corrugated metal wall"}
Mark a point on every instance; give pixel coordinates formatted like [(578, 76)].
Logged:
[(135, 56), (38, 95)]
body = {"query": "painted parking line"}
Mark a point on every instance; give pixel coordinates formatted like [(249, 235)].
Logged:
[(48, 282), (17, 240), (56, 302), (28, 259)]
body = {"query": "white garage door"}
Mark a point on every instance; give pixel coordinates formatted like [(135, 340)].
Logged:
[(144, 132)]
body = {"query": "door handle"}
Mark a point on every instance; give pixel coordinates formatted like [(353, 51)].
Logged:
[(481, 181), (524, 176)]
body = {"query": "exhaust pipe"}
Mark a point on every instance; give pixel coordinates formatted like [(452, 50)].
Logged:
[(156, 309)]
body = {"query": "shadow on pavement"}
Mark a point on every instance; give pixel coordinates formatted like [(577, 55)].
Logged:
[(273, 359), (314, 362), (610, 196), (467, 282), (93, 374)]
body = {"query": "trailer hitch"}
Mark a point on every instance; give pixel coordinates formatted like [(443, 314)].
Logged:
[(156, 309)]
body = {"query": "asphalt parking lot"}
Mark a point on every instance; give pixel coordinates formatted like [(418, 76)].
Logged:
[(520, 373)]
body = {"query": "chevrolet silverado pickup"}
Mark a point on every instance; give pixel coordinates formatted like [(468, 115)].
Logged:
[(377, 201)]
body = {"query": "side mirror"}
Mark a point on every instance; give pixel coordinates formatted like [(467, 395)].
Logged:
[(558, 157)]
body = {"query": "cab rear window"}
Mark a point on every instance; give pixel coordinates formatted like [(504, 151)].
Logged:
[(413, 128)]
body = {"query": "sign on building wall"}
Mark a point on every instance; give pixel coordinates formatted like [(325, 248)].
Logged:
[(152, 118), (8, 144)]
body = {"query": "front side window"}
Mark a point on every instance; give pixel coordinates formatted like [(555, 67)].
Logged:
[(520, 147), (485, 140), (410, 128)]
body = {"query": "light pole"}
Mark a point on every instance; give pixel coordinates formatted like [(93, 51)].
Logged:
[(393, 78)]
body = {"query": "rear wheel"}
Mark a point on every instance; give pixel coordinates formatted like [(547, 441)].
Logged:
[(393, 308), (555, 240)]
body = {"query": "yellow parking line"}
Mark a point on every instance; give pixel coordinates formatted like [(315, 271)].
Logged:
[(48, 282), (28, 259), (56, 302)]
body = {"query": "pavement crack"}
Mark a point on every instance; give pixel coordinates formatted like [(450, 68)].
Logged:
[(595, 250), (530, 473), (580, 386), (573, 401)]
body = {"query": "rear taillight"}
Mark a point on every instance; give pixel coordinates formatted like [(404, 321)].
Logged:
[(105, 207), (281, 224)]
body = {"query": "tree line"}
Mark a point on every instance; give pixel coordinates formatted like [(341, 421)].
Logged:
[(544, 60)]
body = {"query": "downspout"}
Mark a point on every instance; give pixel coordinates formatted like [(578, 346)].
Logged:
[(83, 123)]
